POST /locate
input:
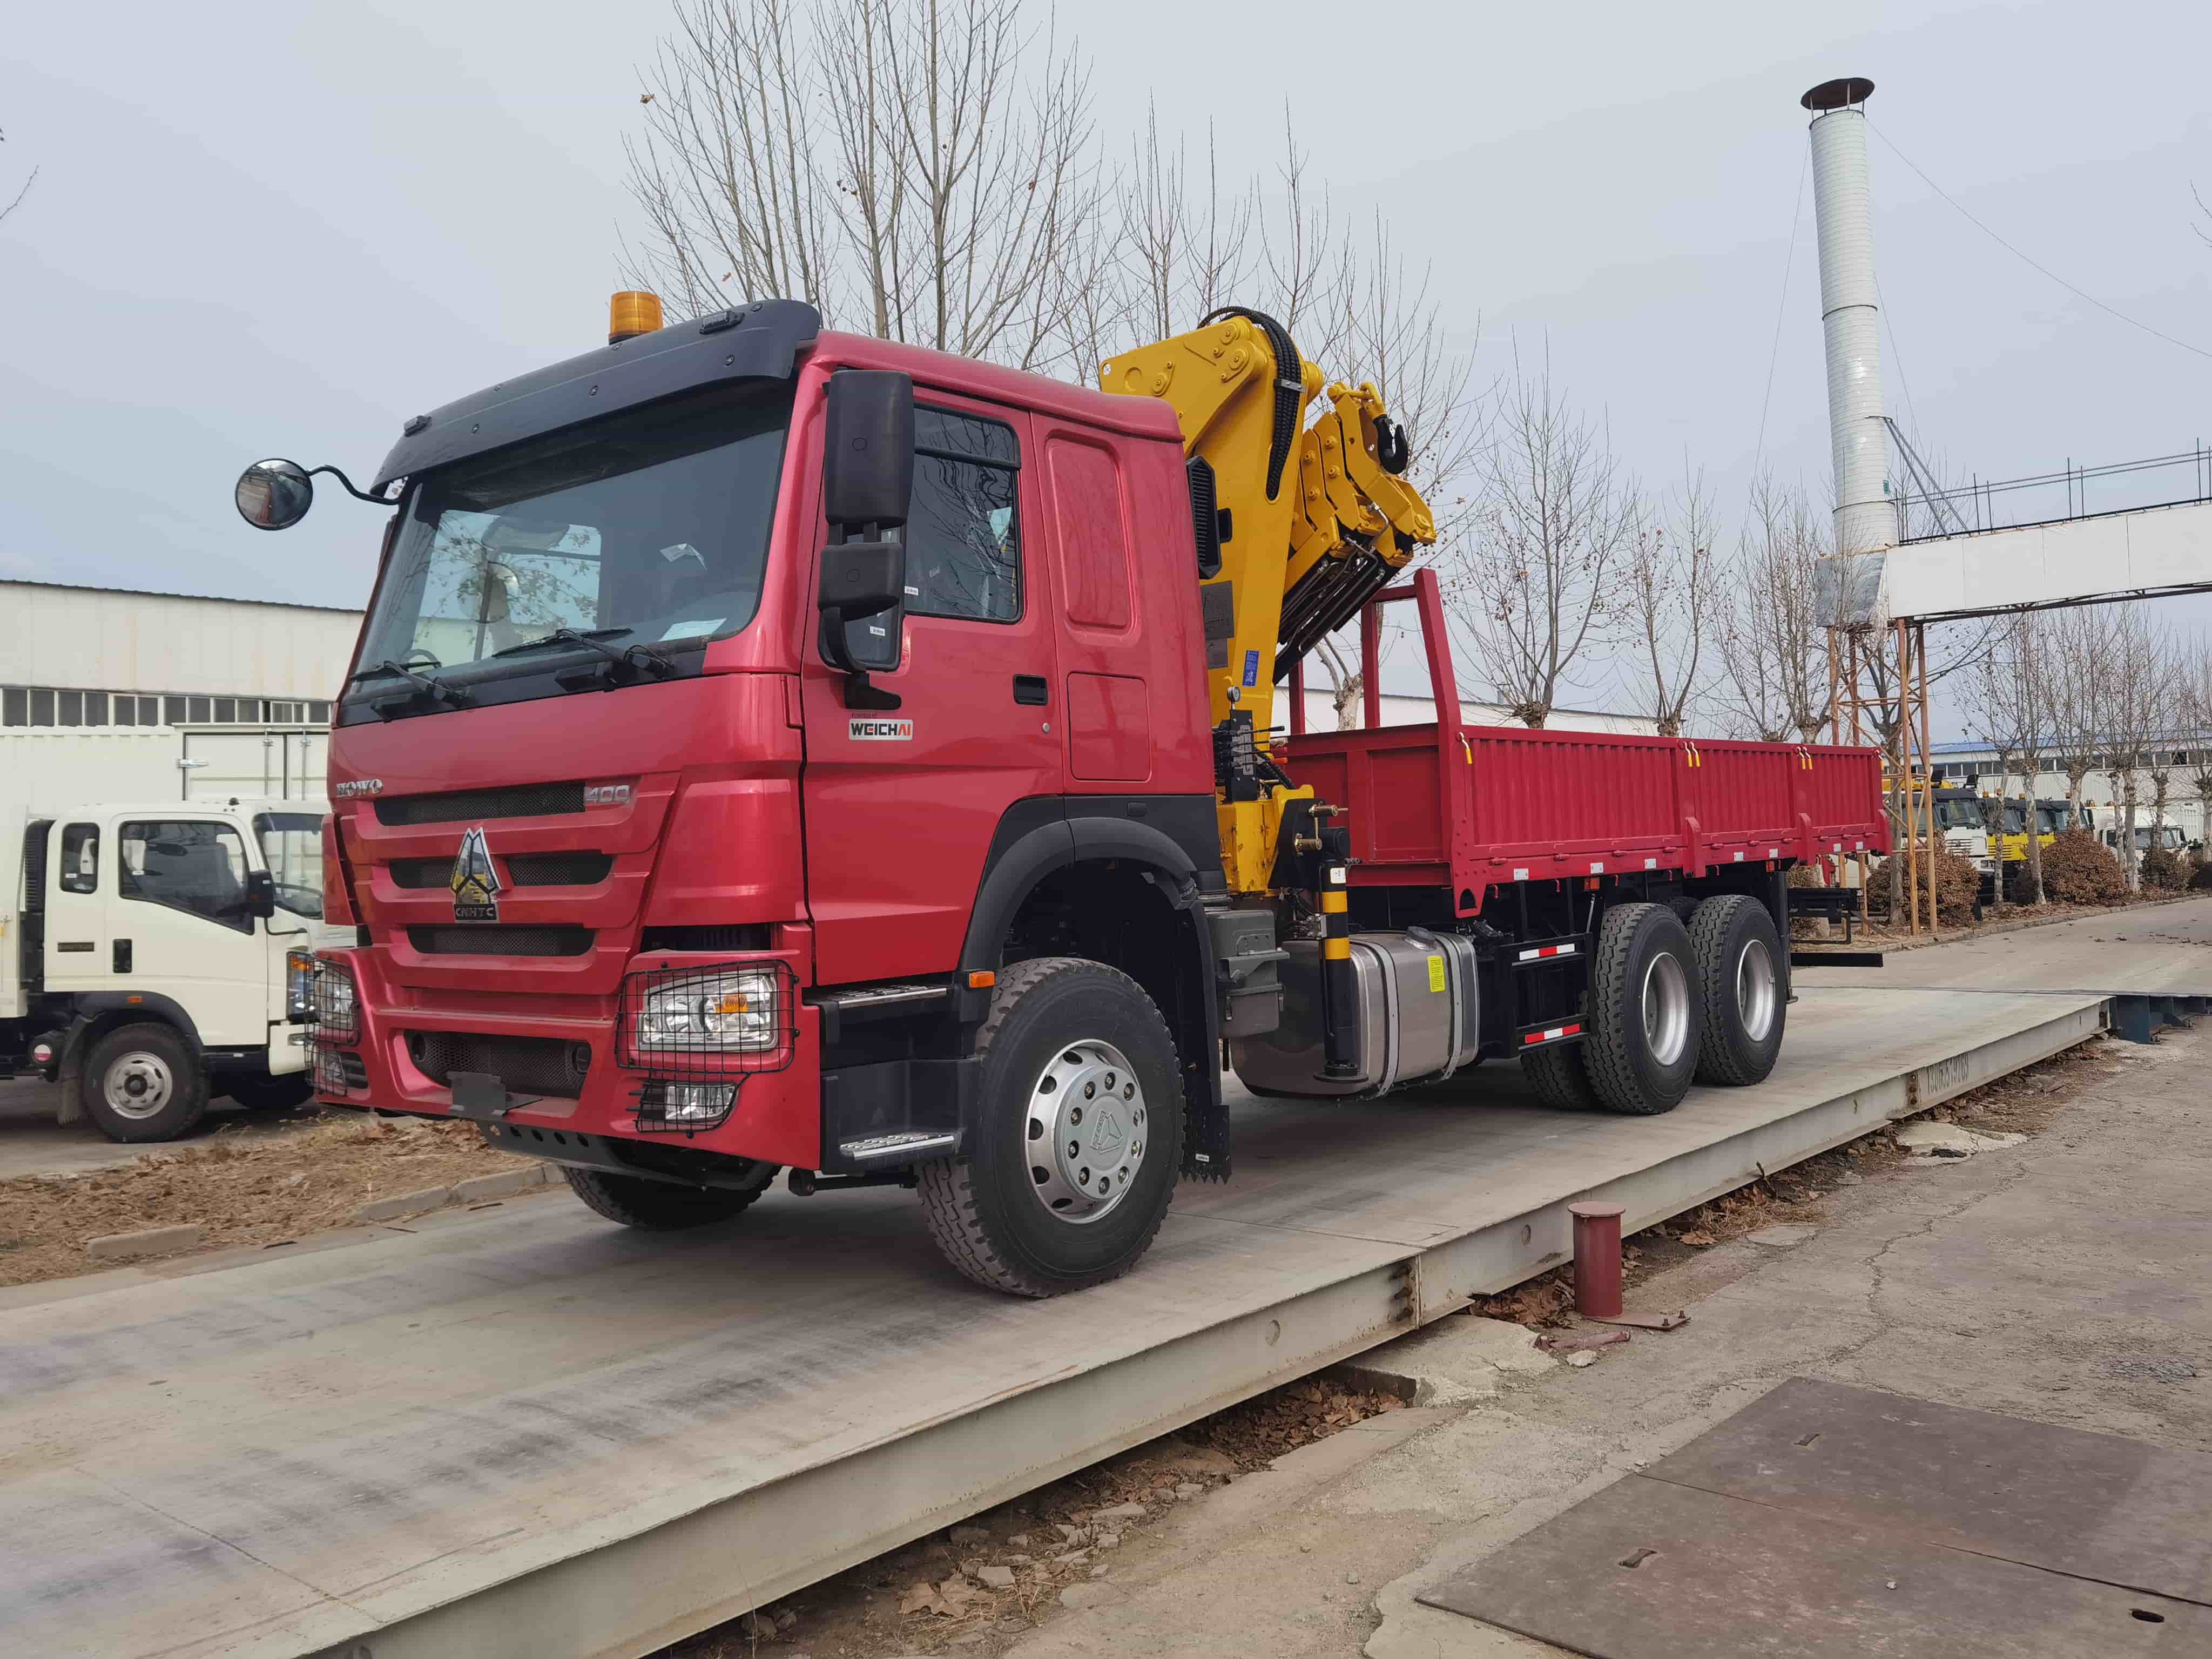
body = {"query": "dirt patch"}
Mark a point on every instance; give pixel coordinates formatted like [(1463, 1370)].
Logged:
[(977, 1587), (237, 1189)]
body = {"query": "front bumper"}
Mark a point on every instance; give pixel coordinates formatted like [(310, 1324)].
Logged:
[(777, 1116)]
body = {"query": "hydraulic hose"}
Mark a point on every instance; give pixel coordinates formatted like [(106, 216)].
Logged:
[(1290, 385)]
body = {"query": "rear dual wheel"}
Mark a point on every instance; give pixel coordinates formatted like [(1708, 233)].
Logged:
[(1670, 1004)]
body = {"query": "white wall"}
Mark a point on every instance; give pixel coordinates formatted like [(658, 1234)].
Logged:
[(97, 638)]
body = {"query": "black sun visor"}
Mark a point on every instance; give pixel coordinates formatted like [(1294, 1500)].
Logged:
[(760, 340)]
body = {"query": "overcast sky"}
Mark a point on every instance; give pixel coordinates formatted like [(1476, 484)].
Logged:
[(282, 229)]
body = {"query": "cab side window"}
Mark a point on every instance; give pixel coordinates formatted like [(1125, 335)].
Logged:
[(963, 557), (963, 543), (194, 867), (79, 862)]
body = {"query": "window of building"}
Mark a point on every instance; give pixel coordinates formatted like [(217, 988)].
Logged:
[(188, 865), (95, 708), (42, 708), (320, 712), (126, 711), (150, 711), (201, 709), (174, 712), (15, 708), (80, 866)]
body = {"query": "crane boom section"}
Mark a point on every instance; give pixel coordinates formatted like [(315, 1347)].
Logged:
[(1311, 522)]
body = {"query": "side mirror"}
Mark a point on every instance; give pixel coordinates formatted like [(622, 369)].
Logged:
[(867, 461), (260, 894), (274, 494), (861, 579)]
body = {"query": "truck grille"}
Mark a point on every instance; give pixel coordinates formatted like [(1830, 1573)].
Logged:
[(530, 1065), (523, 870), (495, 941), (528, 800)]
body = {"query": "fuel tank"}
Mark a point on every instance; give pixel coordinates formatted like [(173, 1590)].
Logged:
[(1419, 1017)]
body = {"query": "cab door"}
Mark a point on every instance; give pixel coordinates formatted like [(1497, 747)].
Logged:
[(78, 957), (182, 925), (902, 804)]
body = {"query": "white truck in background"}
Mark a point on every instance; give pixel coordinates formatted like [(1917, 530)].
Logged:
[(159, 907)]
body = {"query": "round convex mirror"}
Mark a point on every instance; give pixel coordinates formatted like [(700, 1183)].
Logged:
[(274, 494)]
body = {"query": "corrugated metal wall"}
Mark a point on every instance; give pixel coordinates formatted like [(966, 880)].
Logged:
[(99, 640)]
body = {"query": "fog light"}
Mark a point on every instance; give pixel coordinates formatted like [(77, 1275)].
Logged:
[(330, 1071), (684, 1105)]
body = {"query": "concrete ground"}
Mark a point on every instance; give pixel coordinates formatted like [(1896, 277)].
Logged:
[(32, 1143), (2061, 1280)]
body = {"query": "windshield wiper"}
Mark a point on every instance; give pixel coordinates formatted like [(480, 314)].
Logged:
[(453, 696), (636, 658)]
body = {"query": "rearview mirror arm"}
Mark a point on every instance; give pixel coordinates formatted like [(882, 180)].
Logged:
[(392, 500)]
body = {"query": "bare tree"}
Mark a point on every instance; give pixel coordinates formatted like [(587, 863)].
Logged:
[(1670, 580), (2133, 696), (2006, 696), (1773, 645), (2197, 690), (2077, 647), (926, 170), (1538, 573), (16, 201)]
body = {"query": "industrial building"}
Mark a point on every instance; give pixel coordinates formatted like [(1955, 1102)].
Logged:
[(2183, 756), (106, 658)]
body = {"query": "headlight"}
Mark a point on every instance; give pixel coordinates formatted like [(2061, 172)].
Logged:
[(734, 1011), (298, 986), (335, 1010)]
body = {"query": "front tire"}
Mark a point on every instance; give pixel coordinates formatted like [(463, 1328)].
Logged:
[(1077, 1138), (1739, 959), (143, 1083), (263, 1092), (658, 1207), (1646, 1018)]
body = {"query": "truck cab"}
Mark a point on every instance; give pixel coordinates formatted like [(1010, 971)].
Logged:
[(161, 958)]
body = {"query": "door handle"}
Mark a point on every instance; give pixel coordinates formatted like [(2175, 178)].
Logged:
[(1032, 690)]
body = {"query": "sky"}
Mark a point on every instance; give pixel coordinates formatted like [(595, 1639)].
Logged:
[(285, 235)]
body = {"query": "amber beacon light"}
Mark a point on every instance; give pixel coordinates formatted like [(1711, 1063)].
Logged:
[(632, 313)]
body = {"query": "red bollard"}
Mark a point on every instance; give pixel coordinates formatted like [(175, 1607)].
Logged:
[(1597, 1260)]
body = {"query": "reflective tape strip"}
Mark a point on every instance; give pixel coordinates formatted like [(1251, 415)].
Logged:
[(1336, 949), (1335, 903), (1532, 954), (1552, 1036)]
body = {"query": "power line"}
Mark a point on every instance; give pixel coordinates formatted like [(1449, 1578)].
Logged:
[(2077, 293), (1781, 304)]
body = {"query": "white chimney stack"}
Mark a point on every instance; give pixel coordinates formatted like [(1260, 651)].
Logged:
[(1851, 317)]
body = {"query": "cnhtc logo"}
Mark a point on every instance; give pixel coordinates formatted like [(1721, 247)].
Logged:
[(474, 883)]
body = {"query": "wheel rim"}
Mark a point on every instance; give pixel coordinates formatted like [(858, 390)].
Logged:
[(1088, 1130), (138, 1085), (1755, 989), (1666, 1008)]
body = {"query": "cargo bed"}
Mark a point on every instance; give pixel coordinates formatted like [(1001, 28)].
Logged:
[(1475, 807)]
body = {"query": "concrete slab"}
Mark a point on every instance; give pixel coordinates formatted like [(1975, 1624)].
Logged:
[(2159, 948), (529, 1432)]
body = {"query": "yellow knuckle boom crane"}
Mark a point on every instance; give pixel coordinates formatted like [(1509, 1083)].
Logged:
[(1298, 527)]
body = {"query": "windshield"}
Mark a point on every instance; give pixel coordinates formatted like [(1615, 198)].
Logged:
[(646, 528), (2015, 817), (1958, 814), (292, 849), (2049, 820)]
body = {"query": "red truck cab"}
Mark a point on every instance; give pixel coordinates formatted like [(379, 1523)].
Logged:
[(556, 835)]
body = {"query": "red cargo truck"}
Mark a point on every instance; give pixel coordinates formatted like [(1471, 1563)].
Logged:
[(776, 749)]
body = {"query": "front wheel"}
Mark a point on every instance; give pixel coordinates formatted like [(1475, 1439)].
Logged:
[(1646, 1018), (262, 1092), (1078, 1138), (144, 1082), (658, 1207)]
